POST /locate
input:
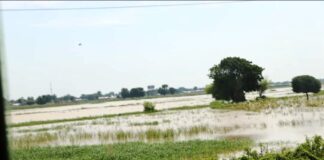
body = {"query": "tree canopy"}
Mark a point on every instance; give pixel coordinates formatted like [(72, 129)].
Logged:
[(163, 90), (233, 76), (137, 92), (306, 84), (124, 93), (172, 90), (45, 99)]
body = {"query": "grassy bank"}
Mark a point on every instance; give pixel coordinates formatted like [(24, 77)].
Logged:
[(136, 150), (312, 149), (316, 100)]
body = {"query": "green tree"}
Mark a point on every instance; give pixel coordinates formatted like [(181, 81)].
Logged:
[(22, 101), (209, 88), (172, 90), (93, 96), (30, 101), (306, 84), (137, 92), (99, 94), (67, 98), (233, 76), (124, 93), (163, 90), (263, 86), (45, 99)]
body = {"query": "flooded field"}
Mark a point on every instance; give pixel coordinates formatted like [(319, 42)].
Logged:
[(282, 122), (287, 125), (118, 107)]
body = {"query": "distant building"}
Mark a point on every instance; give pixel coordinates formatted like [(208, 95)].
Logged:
[(16, 104), (103, 97)]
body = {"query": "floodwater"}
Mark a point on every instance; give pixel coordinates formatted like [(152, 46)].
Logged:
[(117, 107), (289, 125)]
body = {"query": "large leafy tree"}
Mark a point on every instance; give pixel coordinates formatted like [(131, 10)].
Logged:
[(233, 76), (30, 101), (137, 92), (45, 99), (124, 93), (163, 90), (306, 84), (172, 90)]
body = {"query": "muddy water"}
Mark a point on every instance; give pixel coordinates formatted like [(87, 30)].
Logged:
[(116, 107)]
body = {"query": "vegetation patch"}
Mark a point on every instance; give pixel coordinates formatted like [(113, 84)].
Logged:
[(136, 150), (312, 149), (30, 140), (154, 123), (257, 105), (149, 106)]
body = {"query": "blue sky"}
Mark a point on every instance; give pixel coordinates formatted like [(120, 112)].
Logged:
[(143, 46)]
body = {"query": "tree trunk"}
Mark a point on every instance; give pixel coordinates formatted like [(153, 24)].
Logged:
[(239, 96), (307, 96)]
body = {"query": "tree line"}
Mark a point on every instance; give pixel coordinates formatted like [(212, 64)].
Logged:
[(139, 92), (124, 93)]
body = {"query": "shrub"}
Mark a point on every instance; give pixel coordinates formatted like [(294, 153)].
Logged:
[(209, 88), (149, 106), (312, 149)]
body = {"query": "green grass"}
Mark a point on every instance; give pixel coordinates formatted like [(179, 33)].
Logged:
[(320, 93), (188, 107), (46, 138), (154, 123), (29, 140), (312, 149), (315, 100), (197, 150)]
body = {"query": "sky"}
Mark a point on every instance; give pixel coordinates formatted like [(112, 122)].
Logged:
[(136, 47)]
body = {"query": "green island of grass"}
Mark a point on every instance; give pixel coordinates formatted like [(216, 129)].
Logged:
[(196, 149)]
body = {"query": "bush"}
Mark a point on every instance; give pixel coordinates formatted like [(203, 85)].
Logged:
[(312, 149), (219, 104), (149, 107), (209, 88)]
